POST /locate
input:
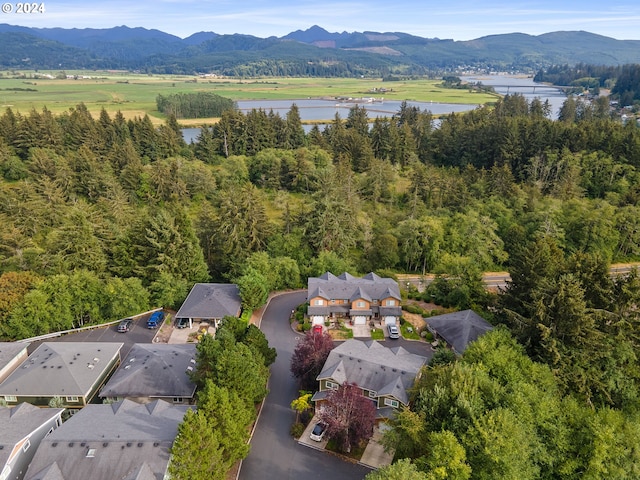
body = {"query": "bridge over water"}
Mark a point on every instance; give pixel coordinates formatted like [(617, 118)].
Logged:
[(562, 88)]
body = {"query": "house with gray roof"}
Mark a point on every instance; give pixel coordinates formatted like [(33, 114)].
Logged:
[(70, 371), (123, 440), (385, 375), (12, 354), (358, 299), (22, 428), (154, 371), (458, 329), (211, 302)]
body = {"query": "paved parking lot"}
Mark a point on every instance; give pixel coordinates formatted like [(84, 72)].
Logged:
[(139, 333)]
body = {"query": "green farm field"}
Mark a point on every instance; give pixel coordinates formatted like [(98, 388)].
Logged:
[(135, 94)]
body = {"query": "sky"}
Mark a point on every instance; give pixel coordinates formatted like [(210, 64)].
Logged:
[(452, 19)]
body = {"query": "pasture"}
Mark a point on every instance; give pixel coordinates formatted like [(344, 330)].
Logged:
[(135, 94)]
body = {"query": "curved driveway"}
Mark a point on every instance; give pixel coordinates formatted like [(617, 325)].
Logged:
[(275, 455)]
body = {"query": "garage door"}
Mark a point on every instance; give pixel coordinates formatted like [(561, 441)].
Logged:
[(317, 320), (389, 320), (359, 320)]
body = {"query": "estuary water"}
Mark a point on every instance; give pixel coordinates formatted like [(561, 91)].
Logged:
[(325, 109)]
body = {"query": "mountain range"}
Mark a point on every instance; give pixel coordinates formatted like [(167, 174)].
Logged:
[(314, 51)]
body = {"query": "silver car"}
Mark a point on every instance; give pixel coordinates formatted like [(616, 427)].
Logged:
[(393, 331)]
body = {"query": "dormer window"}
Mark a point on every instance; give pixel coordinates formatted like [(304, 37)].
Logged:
[(318, 301), (360, 304), (391, 303)]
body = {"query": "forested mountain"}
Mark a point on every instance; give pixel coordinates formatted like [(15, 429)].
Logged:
[(366, 53)]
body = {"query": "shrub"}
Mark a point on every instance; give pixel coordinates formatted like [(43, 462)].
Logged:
[(297, 429)]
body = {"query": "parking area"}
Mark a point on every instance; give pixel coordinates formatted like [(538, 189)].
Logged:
[(138, 333)]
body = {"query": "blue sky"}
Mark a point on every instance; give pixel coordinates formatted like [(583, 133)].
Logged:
[(456, 19)]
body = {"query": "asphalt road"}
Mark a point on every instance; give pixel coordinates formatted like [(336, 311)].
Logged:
[(274, 454)]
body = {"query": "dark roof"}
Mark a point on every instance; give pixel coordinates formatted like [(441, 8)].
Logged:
[(211, 301), (370, 365), (348, 287), (459, 328), (154, 370), (127, 440), (9, 351), (20, 421), (61, 368)]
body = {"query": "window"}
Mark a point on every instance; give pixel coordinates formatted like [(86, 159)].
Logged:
[(331, 385), (26, 445), (391, 303), (72, 399), (360, 304), (391, 403), (372, 394), (10, 398), (177, 400), (91, 453), (318, 301)]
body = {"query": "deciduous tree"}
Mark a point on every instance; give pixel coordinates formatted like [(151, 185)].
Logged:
[(349, 415)]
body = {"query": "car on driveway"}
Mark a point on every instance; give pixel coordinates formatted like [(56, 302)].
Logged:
[(394, 332), (317, 329), (317, 434), (125, 325)]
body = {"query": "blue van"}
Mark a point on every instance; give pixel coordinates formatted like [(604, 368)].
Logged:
[(155, 319)]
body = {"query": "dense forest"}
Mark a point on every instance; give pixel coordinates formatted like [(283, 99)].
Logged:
[(104, 217)]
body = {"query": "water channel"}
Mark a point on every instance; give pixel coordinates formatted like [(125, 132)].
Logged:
[(319, 109)]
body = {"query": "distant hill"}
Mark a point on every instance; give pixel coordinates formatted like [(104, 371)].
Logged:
[(314, 51)]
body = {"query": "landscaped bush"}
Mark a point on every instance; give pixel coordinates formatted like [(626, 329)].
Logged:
[(297, 429)]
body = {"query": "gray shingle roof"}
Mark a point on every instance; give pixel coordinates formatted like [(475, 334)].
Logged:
[(61, 368), (18, 422), (211, 301), (459, 328), (129, 441), (348, 287), (154, 370), (9, 351), (372, 366)]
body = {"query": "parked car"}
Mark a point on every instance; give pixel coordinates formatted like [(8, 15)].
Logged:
[(182, 323), (393, 331), (155, 319), (318, 432), (317, 329), (125, 325)]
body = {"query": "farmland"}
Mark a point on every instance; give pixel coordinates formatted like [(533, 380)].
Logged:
[(135, 94)]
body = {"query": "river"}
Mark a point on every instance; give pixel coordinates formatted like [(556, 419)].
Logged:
[(318, 109)]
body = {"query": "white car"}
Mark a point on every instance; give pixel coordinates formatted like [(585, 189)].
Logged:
[(393, 331), (318, 431)]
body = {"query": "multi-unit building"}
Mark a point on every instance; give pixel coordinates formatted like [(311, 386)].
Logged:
[(385, 375), (356, 299)]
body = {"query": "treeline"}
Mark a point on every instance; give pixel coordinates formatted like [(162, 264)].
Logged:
[(623, 80), (194, 105)]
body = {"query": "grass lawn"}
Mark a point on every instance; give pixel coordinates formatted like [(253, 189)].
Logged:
[(409, 332), (135, 94), (377, 334)]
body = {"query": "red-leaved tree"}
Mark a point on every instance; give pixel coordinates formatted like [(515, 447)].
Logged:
[(308, 358), (349, 415)]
